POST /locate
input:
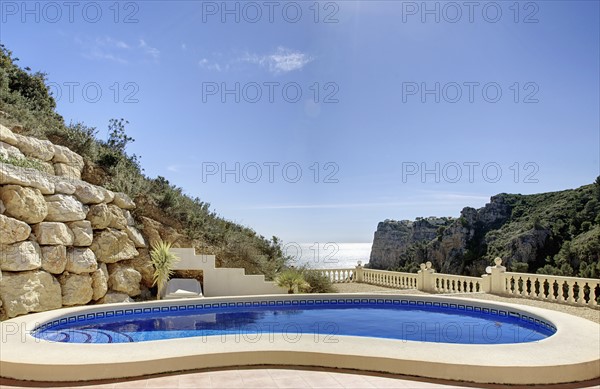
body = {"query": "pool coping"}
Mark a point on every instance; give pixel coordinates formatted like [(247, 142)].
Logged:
[(570, 355)]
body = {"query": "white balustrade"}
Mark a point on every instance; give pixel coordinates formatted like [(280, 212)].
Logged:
[(339, 276), (391, 279), (567, 290), (564, 290), (450, 283)]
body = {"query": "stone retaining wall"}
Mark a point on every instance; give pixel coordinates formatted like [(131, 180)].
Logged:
[(63, 241)]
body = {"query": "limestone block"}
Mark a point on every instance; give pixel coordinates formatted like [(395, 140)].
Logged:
[(64, 170), (24, 203), (83, 234), (13, 230), (76, 288), (115, 297), (54, 259), (99, 216), (143, 265), (21, 256), (100, 282), (37, 148), (124, 279), (117, 218), (88, 193), (64, 155), (10, 151), (32, 291), (123, 201), (135, 236), (112, 246), (7, 136), (13, 175), (53, 233), (64, 208), (81, 260)]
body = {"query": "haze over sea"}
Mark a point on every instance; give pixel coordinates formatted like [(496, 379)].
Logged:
[(328, 255)]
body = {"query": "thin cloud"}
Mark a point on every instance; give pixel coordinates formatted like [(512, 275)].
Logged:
[(110, 49), (151, 51), (205, 63), (283, 60)]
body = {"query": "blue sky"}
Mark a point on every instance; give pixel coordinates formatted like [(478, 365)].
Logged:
[(360, 97)]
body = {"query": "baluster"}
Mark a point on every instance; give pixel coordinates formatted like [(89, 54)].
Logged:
[(546, 289), (536, 288), (571, 291), (585, 295), (554, 288)]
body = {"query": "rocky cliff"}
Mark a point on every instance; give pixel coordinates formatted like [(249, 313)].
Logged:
[(63, 241), (394, 238), (557, 233)]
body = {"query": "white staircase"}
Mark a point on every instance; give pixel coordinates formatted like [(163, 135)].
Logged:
[(222, 281)]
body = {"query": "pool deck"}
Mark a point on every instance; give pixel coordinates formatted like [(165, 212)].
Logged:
[(569, 355), (279, 377)]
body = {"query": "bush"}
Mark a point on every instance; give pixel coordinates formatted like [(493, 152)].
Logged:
[(29, 163), (318, 283)]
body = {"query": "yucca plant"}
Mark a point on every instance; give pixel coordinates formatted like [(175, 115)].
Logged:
[(163, 260), (292, 279)]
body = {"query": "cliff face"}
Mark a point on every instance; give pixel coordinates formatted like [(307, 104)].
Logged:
[(393, 238), (556, 232), (63, 241)]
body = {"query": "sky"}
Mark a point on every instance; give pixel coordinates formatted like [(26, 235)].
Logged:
[(314, 121)]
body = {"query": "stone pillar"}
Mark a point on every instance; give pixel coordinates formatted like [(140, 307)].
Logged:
[(359, 272), (426, 279), (496, 283)]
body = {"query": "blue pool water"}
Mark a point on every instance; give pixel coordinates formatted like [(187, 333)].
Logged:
[(326, 322)]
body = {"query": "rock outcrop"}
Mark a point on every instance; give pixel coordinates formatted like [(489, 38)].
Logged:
[(57, 233), (461, 246), (393, 238)]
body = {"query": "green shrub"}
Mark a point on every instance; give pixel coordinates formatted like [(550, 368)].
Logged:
[(26, 162), (318, 283), (293, 280)]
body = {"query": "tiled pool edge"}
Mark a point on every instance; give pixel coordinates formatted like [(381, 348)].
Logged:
[(565, 357), (309, 301)]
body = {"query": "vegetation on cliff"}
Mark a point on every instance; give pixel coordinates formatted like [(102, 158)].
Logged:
[(551, 233), (28, 107)]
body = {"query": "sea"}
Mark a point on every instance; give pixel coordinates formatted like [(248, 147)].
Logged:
[(328, 255)]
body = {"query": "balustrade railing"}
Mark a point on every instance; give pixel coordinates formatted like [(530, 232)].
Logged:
[(339, 276), (450, 283), (564, 290), (390, 279), (571, 290)]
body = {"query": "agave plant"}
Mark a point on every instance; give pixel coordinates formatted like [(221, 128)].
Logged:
[(163, 260), (292, 279)]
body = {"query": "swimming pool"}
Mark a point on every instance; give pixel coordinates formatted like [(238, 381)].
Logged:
[(381, 318), (569, 354)]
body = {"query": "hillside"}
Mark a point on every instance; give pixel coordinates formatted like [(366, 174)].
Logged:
[(162, 211), (554, 233)]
